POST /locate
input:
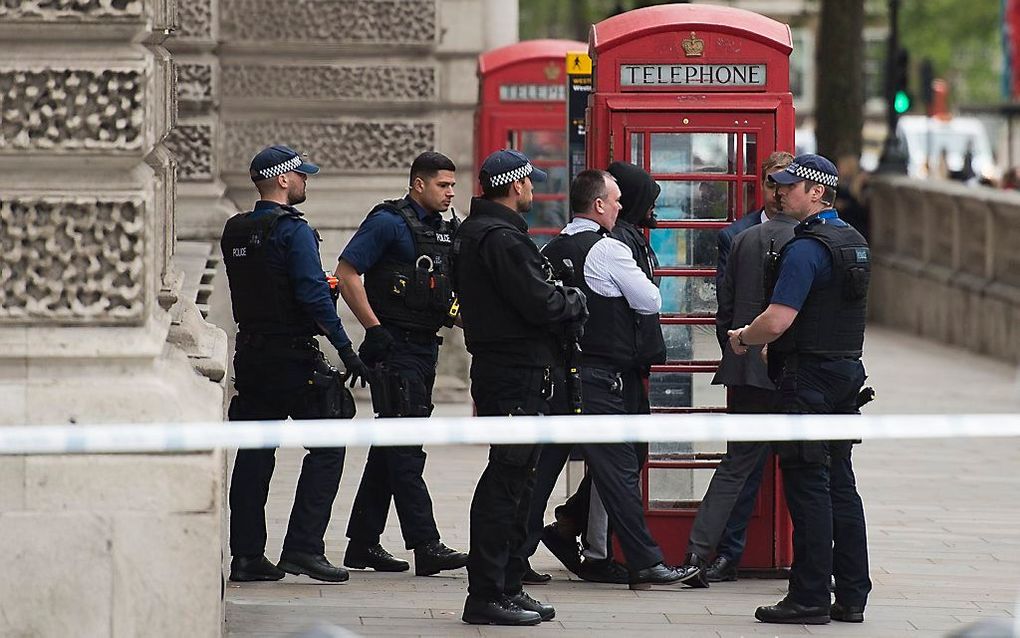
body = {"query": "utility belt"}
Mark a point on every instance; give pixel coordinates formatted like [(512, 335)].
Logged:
[(421, 337), (287, 346)]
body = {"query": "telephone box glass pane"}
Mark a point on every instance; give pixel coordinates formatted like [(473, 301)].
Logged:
[(679, 488), (685, 247), (694, 153), (637, 149), (690, 343), (750, 192), (547, 214), (557, 183), (689, 296), (684, 390), (543, 145), (750, 154), (695, 200)]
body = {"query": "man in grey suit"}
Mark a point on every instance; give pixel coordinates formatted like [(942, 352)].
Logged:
[(721, 524)]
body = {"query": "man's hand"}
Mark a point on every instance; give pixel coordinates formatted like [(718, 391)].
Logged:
[(736, 343), (376, 347), (355, 369)]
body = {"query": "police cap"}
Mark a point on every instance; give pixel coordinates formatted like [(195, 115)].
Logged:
[(810, 167), (277, 160), (505, 166)]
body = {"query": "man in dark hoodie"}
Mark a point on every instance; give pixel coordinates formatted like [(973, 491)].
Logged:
[(584, 511)]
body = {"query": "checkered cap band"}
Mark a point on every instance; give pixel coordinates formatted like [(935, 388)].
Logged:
[(511, 176), (813, 174), (281, 168)]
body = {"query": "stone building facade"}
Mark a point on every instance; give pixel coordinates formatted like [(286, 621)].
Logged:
[(126, 128)]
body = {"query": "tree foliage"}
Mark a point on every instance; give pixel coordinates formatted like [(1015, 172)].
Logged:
[(963, 41)]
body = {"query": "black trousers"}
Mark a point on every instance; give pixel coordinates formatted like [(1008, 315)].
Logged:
[(274, 386), (499, 508), (829, 532), (395, 472), (722, 517), (615, 469)]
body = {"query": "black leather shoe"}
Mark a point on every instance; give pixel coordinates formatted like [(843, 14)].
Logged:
[(251, 568), (697, 569), (376, 557), (531, 577), (314, 565), (604, 571), (790, 613), (434, 557), (526, 602), (478, 611), (566, 550), (846, 613), (663, 574), (721, 570)]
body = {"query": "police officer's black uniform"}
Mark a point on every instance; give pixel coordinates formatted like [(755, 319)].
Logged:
[(412, 300), (280, 302), (511, 316)]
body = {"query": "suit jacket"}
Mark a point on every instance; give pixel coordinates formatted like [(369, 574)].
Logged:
[(742, 298), (724, 240)]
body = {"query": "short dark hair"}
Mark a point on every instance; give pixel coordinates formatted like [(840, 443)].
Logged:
[(828, 192), (495, 192), (588, 186), (428, 164), (775, 162)]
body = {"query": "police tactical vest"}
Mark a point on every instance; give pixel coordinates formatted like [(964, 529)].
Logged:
[(831, 322), (493, 327), (611, 333), (262, 296), (414, 296), (651, 344)]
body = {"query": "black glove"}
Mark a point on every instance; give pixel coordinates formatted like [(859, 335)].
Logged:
[(354, 367), (574, 328), (376, 347)]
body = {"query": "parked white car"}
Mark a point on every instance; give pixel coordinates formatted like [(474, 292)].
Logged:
[(946, 141)]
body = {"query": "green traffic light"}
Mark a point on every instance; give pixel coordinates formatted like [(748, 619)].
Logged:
[(901, 103)]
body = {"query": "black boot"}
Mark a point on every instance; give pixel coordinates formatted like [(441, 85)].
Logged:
[(251, 568), (721, 570), (531, 577), (663, 574), (434, 557), (697, 568), (313, 565), (478, 611), (846, 613), (566, 550), (604, 571), (526, 602), (790, 613), (376, 557)]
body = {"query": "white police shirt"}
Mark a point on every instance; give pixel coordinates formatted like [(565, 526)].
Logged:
[(610, 270)]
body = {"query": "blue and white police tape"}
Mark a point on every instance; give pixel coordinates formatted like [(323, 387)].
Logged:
[(187, 437)]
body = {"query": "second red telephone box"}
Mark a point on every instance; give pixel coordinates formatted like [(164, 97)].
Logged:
[(697, 95)]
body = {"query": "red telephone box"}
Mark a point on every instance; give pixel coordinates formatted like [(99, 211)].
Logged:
[(522, 105), (698, 95)]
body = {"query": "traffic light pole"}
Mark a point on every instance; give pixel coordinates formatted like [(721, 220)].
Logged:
[(894, 159)]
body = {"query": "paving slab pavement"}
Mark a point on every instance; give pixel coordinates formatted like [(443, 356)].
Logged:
[(943, 521)]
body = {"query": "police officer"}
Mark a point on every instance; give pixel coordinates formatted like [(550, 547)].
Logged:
[(512, 315), (402, 248), (815, 327), (280, 300), (617, 291)]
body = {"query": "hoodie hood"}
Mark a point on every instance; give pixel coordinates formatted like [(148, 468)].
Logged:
[(639, 191)]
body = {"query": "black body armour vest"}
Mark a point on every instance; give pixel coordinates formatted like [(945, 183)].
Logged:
[(610, 335), (492, 327), (262, 297), (415, 296), (651, 346), (831, 323)]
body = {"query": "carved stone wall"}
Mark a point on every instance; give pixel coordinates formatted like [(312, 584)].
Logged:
[(71, 109), (72, 259), (77, 10), (195, 85), (374, 83), (340, 146), (409, 22), (192, 145)]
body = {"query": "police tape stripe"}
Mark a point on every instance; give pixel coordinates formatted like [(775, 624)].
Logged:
[(185, 437)]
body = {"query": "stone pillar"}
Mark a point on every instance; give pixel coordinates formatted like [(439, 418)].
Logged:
[(90, 312)]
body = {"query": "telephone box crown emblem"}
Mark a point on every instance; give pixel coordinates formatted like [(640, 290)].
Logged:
[(693, 46), (552, 71)]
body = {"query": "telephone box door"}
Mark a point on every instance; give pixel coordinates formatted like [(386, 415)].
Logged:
[(707, 164)]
